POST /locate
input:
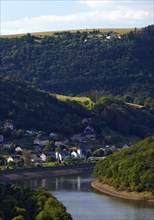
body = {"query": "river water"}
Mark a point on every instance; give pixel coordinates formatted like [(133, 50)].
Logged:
[(84, 203)]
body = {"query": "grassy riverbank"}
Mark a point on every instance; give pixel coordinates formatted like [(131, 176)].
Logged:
[(110, 190), (32, 173)]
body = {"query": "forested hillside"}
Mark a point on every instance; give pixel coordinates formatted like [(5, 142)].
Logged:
[(74, 63), (131, 169), (29, 108), (124, 118), (114, 121)]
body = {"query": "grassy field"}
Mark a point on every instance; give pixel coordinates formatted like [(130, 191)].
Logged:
[(82, 100), (120, 31), (133, 105)]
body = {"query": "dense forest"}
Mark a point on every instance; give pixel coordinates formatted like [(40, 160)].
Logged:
[(26, 204), (74, 64), (131, 169), (29, 108), (125, 118)]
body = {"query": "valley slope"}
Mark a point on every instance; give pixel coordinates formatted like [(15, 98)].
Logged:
[(81, 62)]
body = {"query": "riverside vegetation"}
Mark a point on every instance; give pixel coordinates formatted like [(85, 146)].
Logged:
[(130, 169), (26, 204)]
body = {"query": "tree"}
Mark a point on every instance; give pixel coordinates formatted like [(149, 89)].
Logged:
[(128, 98), (28, 38), (12, 164), (107, 152), (98, 153), (27, 158), (20, 163), (43, 215)]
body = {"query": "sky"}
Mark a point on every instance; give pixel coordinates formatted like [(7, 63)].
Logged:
[(27, 16)]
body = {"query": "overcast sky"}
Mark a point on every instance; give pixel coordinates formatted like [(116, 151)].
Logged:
[(26, 16)]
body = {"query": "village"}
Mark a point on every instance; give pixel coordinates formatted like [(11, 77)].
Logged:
[(91, 36), (49, 149)]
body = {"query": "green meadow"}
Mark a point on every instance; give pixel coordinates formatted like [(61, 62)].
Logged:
[(85, 101)]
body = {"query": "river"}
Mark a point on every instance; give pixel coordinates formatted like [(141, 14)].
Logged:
[(84, 203)]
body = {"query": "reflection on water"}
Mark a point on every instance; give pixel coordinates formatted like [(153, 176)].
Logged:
[(84, 203), (71, 183)]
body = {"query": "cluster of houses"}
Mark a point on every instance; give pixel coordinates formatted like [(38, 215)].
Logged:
[(105, 36), (38, 156), (92, 36), (59, 151)]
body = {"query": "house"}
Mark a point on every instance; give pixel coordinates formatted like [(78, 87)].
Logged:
[(58, 143), (41, 141), (90, 133), (74, 154), (46, 155), (114, 148), (13, 159), (63, 155), (53, 136), (125, 146), (35, 158), (31, 131), (1, 138), (18, 149), (8, 124), (110, 37), (78, 154), (36, 148), (88, 130)]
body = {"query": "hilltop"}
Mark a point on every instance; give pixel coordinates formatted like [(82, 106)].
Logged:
[(74, 63), (120, 31)]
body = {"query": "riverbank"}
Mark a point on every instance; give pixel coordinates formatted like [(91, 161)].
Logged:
[(107, 189), (32, 173)]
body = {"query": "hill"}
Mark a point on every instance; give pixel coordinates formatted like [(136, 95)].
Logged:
[(73, 63), (113, 121), (130, 169), (29, 108)]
